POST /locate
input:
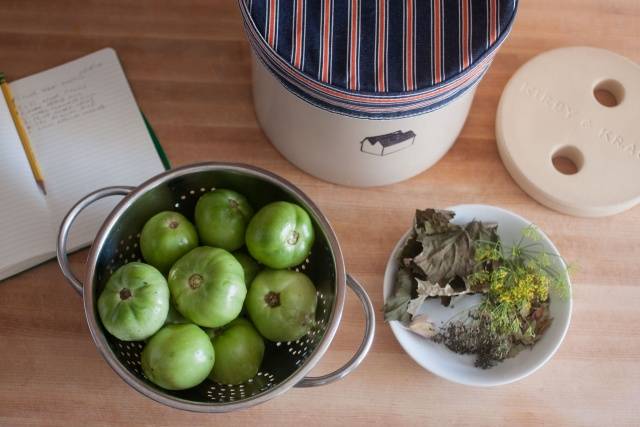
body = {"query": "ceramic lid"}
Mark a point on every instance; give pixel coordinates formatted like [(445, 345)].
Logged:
[(579, 106), (377, 58)]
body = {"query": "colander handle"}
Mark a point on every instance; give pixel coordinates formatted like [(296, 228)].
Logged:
[(365, 346), (67, 222)]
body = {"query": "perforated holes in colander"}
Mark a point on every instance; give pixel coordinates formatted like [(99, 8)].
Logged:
[(129, 354), (263, 381), (192, 193)]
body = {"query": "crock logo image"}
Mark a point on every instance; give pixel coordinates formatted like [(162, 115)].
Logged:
[(381, 145)]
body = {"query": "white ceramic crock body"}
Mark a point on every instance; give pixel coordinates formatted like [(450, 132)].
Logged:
[(336, 148)]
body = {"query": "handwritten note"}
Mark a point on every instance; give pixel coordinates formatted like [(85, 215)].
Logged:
[(70, 99), (88, 133)]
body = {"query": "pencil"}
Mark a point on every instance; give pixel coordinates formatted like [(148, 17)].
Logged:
[(22, 133)]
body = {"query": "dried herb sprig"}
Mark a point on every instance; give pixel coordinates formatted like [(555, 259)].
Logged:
[(515, 310)]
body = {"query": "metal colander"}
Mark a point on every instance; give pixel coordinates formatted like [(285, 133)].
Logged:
[(285, 364)]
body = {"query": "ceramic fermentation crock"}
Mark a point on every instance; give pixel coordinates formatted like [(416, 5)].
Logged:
[(367, 93)]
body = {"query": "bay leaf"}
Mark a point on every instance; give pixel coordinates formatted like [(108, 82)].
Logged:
[(431, 290), (423, 326)]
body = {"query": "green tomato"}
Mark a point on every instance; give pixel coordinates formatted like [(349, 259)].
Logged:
[(134, 303), (165, 238), (282, 304), (221, 218), (207, 285), (280, 235), (249, 265), (174, 317), (178, 357), (239, 351), (251, 268)]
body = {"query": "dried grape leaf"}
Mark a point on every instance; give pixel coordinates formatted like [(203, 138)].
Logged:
[(434, 262), (445, 255), (458, 284), (396, 306), (410, 249), (448, 249), (433, 221), (426, 290)]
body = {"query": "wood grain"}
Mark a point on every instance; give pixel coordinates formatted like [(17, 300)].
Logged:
[(188, 64)]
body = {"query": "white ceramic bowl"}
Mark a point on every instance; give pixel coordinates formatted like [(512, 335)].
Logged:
[(459, 368)]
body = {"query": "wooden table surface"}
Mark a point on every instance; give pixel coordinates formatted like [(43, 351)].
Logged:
[(188, 64)]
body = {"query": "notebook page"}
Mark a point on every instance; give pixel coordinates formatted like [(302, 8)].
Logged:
[(24, 224), (88, 133)]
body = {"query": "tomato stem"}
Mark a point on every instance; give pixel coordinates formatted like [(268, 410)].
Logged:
[(195, 281), (125, 294), (272, 299), (293, 237)]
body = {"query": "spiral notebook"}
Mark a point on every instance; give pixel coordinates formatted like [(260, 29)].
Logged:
[(87, 133)]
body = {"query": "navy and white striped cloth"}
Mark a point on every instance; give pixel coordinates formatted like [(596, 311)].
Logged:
[(377, 58)]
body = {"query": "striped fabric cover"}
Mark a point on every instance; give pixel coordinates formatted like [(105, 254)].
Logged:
[(377, 58)]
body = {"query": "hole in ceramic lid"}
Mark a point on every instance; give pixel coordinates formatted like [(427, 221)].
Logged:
[(568, 160), (609, 93)]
